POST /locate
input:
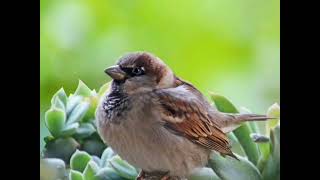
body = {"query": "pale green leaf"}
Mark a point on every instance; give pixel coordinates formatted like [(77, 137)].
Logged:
[(123, 168), (82, 90), (54, 120), (91, 171), (79, 160), (75, 175), (229, 168)]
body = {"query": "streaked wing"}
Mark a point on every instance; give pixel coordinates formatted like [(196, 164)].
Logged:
[(185, 114)]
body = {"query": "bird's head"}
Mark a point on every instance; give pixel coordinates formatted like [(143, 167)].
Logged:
[(141, 71)]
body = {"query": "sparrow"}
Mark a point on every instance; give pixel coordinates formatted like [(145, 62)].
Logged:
[(160, 123)]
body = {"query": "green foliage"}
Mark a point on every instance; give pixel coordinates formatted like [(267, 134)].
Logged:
[(204, 174), (110, 167), (55, 119), (273, 111), (243, 132), (272, 166), (229, 168), (258, 148), (71, 123), (61, 148), (85, 157), (78, 160), (90, 171), (124, 169), (75, 175)]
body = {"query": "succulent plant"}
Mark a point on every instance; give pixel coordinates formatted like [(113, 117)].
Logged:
[(75, 151), (109, 166), (262, 160), (71, 123)]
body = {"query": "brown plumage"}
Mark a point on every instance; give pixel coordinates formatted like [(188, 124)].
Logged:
[(186, 118), (160, 123)]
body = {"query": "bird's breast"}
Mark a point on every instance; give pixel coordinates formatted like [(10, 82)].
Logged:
[(141, 140), (115, 108)]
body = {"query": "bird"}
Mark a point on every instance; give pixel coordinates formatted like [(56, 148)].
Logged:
[(158, 122)]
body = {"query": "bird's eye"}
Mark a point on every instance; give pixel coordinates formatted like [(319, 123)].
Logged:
[(133, 71), (137, 71)]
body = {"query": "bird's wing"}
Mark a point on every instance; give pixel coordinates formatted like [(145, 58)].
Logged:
[(184, 113)]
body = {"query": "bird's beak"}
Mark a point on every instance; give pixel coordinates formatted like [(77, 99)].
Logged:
[(115, 72)]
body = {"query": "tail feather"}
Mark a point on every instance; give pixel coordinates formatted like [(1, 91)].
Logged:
[(233, 121), (250, 117)]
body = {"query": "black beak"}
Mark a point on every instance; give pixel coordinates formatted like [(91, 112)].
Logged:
[(115, 72)]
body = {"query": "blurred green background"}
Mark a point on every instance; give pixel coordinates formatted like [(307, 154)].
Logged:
[(231, 47)]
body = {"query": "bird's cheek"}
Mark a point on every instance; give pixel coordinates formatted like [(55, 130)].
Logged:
[(133, 87), (130, 87)]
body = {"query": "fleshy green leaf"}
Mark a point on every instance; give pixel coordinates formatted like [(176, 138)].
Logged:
[(90, 171), (235, 145), (272, 167), (48, 139), (78, 112), (204, 174), (61, 148), (61, 95), (273, 111), (249, 147), (123, 168), (70, 129), (93, 146), (55, 119), (104, 89), (108, 173), (73, 101), (75, 175), (85, 130), (232, 137), (264, 147), (97, 160), (106, 155), (254, 127), (52, 168), (79, 160), (94, 92), (57, 103), (82, 90), (275, 140), (229, 168), (223, 104), (243, 132), (265, 153), (90, 114)]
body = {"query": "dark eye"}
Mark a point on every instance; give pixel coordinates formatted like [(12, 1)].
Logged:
[(137, 71)]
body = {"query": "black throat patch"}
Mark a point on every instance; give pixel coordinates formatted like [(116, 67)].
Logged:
[(116, 103)]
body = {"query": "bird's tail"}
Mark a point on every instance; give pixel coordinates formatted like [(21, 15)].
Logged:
[(233, 121), (250, 117)]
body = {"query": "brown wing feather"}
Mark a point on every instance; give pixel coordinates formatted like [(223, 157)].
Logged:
[(188, 117)]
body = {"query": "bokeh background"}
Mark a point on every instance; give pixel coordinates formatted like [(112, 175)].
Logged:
[(231, 47)]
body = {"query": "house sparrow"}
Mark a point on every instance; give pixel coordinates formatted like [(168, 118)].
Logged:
[(160, 123)]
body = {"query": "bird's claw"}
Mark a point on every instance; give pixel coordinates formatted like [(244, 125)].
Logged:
[(141, 176)]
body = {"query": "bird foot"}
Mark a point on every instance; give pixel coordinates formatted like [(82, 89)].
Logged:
[(166, 177), (141, 176), (154, 176)]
